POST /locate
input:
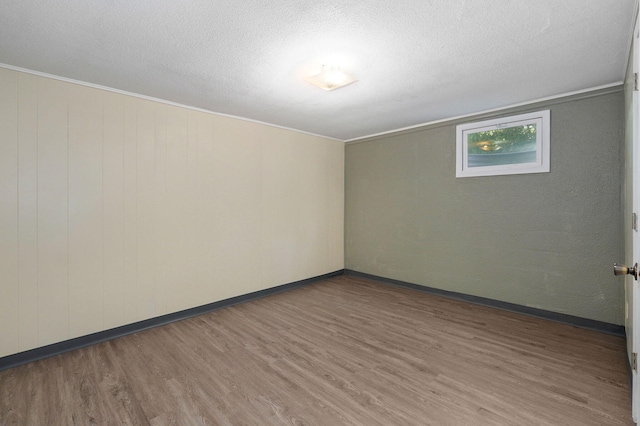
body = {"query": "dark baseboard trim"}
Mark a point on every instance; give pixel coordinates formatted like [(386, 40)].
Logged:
[(25, 357), (603, 327)]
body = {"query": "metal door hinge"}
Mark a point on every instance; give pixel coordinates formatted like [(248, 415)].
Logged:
[(634, 221), (634, 361), (635, 81)]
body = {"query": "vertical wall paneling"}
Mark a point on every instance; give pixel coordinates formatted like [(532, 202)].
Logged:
[(53, 247), (311, 199), (237, 206), (282, 224), (114, 282), (160, 173), (115, 209), (205, 180), (335, 206), (177, 210), (86, 300), (330, 170), (130, 209), (194, 266), (9, 308), (28, 209), (146, 239)]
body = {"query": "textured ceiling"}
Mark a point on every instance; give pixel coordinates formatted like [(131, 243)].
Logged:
[(417, 61)]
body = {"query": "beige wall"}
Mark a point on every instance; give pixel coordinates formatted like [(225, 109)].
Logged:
[(115, 209)]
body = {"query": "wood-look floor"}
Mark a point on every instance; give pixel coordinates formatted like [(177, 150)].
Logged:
[(344, 351)]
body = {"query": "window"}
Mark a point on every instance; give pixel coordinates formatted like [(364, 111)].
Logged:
[(504, 146)]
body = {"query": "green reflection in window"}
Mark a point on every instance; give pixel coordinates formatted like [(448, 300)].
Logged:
[(511, 145)]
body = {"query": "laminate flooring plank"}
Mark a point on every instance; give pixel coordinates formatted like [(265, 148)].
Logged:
[(343, 351)]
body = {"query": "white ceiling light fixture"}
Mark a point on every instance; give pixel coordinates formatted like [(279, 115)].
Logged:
[(330, 78)]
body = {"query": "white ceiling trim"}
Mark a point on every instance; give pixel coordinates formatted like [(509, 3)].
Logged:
[(376, 135), (162, 101), (489, 111)]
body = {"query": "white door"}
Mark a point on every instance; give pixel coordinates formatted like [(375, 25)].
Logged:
[(632, 325), (632, 321)]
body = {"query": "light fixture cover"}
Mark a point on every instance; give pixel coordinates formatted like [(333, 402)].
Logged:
[(330, 78)]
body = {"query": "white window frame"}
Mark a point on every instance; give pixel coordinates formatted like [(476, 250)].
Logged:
[(542, 119)]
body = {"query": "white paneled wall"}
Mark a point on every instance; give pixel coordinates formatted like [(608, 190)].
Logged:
[(116, 209)]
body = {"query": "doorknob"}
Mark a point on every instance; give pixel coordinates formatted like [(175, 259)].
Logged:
[(624, 270)]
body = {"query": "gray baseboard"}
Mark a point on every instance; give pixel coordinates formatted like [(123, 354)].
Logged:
[(25, 357), (603, 327), (102, 336)]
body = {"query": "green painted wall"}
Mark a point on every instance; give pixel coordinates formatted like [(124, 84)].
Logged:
[(541, 240)]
